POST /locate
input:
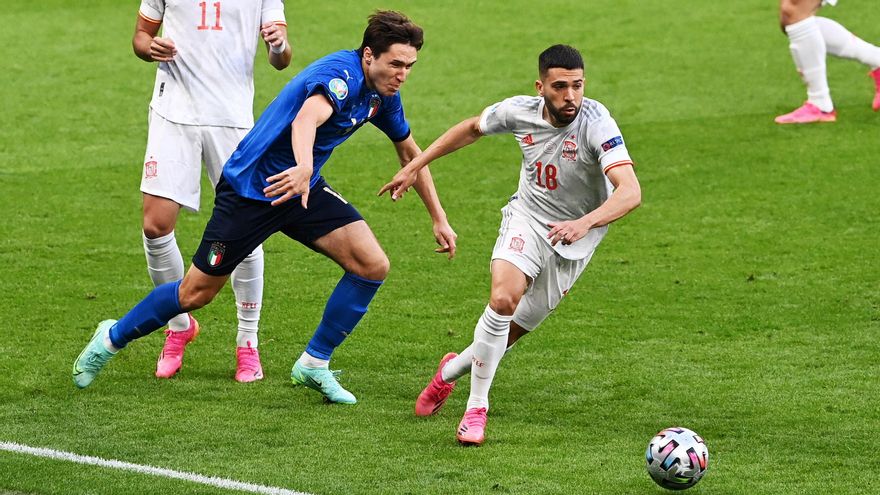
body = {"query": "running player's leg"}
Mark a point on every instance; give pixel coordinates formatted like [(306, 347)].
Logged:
[(808, 52), (840, 42), (334, 228), (229, 236), (247, 278)]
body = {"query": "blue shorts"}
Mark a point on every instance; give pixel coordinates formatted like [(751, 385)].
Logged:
[(238, 225)]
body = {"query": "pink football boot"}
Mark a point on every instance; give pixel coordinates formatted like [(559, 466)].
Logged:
[(171, 358), (472, 429), (875, 75), (435, 394), (249, 368), (806, 114)]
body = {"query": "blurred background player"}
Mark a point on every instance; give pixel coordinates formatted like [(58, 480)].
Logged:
[(273, 183), (576, 178), (202, 107), (810, 38)]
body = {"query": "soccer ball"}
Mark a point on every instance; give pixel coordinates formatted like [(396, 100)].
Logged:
[(677, 458)]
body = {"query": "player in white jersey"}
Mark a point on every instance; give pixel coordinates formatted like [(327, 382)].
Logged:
[(201, 108), (576, 178), (810, 39)]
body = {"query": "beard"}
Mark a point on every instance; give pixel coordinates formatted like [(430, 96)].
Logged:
[(557, 115)]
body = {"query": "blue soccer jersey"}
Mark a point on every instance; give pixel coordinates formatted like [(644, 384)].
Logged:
[(266, 150)]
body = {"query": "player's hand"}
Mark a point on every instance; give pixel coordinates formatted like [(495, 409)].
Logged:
[(567, 232), (400, 184), (162, 49), (445, 237), (273, 33), (288, 184)]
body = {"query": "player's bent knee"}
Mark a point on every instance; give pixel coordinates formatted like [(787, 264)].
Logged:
[(193, 299), (376, 270), (504, 304), (156, 229)]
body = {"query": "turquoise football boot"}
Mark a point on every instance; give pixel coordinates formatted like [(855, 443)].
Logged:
[(322, 380), (93, 357)]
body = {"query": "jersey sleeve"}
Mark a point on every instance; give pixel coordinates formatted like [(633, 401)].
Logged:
[(330, 83), (391, 119), (273, 11), (606, 141), (495, 119), (152, 10)]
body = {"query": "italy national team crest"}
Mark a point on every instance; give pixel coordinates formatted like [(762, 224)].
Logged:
[(150, 169), (215, 256), (517, 244), (338, 87), (570, 150), (375, 101)]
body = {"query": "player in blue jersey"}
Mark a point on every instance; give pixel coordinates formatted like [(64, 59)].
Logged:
[(272, 183)]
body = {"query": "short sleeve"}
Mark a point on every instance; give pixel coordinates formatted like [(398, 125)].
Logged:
[(494, 119), (273, 11), (606, 141), (152, 10), (331, 85), (391, 119)]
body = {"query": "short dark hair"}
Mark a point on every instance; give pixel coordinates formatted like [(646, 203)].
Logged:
[(387, 27), (559, 56)]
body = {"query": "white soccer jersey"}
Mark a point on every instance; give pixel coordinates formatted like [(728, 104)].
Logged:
[(210, 81), (563, 169)]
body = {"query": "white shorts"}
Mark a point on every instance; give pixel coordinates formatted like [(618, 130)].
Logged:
[(550, 275), (175, 152)]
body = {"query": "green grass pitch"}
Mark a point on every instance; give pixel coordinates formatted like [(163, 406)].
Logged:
[(741, 300)]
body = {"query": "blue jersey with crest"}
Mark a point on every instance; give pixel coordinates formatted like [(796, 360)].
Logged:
[(266, 150)]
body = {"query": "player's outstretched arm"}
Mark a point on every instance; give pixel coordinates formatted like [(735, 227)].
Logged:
[(626, 197), (407, 150), (147, 46), (315, 111), (275, 36), (459, 136)]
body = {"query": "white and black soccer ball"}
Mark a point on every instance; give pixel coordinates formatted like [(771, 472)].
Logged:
[(677, 458)]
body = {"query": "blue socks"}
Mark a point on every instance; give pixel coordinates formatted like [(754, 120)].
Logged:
[(152, 313), (345, 308)]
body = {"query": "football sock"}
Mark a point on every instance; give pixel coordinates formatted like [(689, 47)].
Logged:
[(148, 316), (808, 51), (312, 362), (247, 284), (460, 365), (165, 264), (842, 43), (345, 308), (490, 340)]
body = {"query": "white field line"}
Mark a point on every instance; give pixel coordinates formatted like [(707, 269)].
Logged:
[(144, 469)]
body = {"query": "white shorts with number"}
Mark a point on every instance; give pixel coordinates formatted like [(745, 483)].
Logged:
[(551, 276), (175, 152)]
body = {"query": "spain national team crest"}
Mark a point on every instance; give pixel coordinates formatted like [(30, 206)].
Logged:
[(528, 140), (570, 150), (517, 244), (150, 169), (215, 256), (374, 107)]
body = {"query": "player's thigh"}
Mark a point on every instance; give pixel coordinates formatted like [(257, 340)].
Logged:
[(236, 227), (218, 143), (172, 162), (334, 228), (547, 290), (509, 283), (517, 259)]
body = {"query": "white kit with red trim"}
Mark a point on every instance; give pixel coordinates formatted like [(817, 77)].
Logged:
[(563, 169), (210, 80)]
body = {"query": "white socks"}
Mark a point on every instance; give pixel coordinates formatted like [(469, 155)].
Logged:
[(247, 284), (842, 43), (310, 361), (808, 51), (165, 264), (490, 341)]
